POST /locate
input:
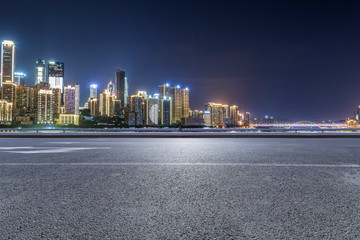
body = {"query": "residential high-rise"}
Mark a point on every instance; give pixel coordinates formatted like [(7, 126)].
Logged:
[(40, 71), (247, 119), (8, 93), (164, 91), (218, 114), (165, 111), (106, 105), (57, 102), (19, 78), (151, 111), (34, 91), (72, 99), (111, 88), (235, 116), (120, 86), (5, 112), (22, 101), (175, 94), (185, 103), (94, 107), (136, 110), (45, 114), (7, 61), (56, 75), (93, 91)]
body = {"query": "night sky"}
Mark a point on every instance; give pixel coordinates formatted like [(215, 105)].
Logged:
[(296, 60)]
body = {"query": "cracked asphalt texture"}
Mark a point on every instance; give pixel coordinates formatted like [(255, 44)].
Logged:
[(156, 188)]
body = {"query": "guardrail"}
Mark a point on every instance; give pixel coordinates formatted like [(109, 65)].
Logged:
[(159, 130)]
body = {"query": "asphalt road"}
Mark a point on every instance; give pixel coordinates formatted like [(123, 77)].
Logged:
[(179, 188)]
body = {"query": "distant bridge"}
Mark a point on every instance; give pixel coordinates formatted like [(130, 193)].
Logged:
[(303, 124)]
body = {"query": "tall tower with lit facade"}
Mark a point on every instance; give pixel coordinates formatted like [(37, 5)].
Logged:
[(7, 61), (106, 105), (185, 103), (40, 71), (151, 110), (45, 113), (93, 91), (120, 82), (56, 75), (72, 99)]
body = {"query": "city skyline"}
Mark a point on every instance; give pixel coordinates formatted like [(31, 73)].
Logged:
[(300, 65)]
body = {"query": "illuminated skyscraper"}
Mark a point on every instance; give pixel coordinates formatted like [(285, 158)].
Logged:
[(234, 115), (218, 114), (8, 93), (93, 91), (111, 88), (7, 61), (94, 107), (22, 100), (164, 91), (19, 78), (45, 114), (136, 110), (5, 111), (151, 111), (247, 119), (185, 103), (56, 75), (120, 86), (72, 99), (165, 111), (40, 69), (106, 105), (57, 102), (175, 94)]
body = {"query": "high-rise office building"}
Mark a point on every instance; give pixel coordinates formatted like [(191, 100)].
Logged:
[(165, 111), (93, 91), (45, 114), (7, 61), (56, 75), (72, 99), (111, 88), (120, 86), (151, 111), (106, 105), (19, 78), (126, 91), (22, 101), (185, 103), (40, 71), (6, 112)]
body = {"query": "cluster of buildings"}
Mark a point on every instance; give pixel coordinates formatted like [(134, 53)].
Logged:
[(50, 101)]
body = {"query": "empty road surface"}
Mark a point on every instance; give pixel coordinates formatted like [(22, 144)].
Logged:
[(169, 188)]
